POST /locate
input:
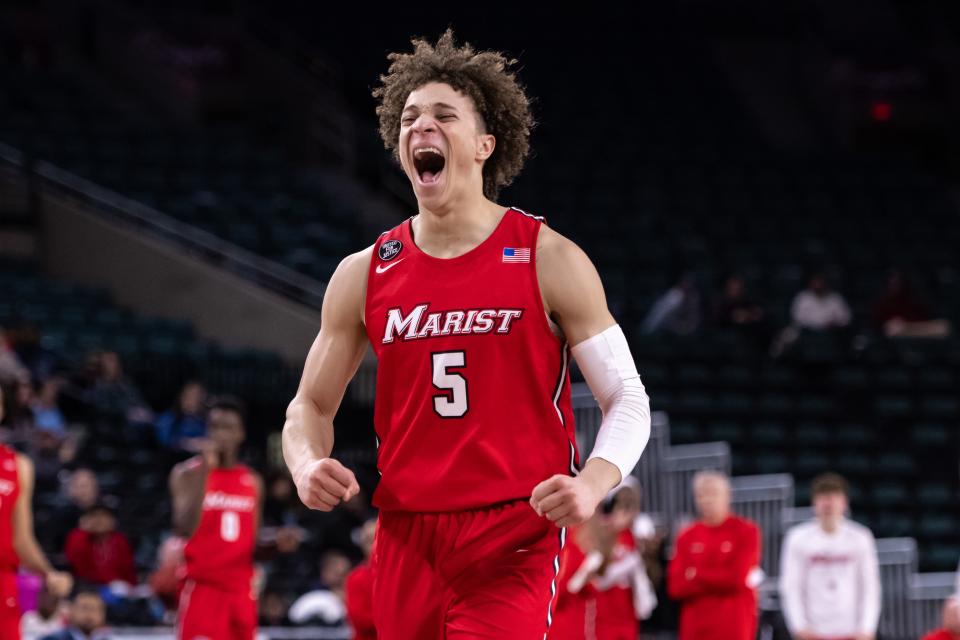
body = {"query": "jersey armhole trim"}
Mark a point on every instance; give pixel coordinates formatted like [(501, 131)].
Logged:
[(544, 319), (374, 254)]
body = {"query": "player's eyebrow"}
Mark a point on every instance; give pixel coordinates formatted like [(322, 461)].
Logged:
[(439, 105)]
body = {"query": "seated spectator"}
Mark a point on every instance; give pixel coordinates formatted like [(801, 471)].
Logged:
[(49, 616), (180, 427), (273, 609), (12, 370), (19, 417), (87, 616), (325, 604), (899, 313), (97, 552), (951, 622), (281, 506), (734, 310), (676, 311), (80, 493), (817, 308), (112, 395), (46, 409), (48, 455)]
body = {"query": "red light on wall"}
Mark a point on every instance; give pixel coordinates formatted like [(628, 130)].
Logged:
[(881, 111)]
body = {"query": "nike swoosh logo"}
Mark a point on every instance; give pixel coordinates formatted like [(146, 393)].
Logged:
[(383, 268)]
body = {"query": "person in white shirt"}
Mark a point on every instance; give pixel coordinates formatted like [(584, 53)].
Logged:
[(818, 308), (829, 575)]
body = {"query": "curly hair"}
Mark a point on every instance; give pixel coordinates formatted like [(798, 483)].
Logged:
[(485, 77)]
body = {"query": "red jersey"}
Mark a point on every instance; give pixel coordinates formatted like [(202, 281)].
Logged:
[(473, 392), (708, 574), (940, 634), (9, 492), (220, 552)]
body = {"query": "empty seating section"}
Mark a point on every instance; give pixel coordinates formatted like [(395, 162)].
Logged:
[(218, 178)]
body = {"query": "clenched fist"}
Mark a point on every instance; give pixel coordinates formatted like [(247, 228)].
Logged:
[(565, 500), (322, 484)]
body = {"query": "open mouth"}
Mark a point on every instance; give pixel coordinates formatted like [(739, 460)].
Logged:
[(428, 163)]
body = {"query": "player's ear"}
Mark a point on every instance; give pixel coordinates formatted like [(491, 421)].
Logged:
[(486, 143)]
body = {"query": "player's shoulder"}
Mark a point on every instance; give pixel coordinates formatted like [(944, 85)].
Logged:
[(560, 257), (347, 287), (22, 463), (690, 530), (745, 524), (858, 530), (802, 529), (354, 266)]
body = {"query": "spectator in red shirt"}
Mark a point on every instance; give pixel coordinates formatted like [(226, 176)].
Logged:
[(714, 572), (359, 588), (899, 312), (97, 552), (951, 622)]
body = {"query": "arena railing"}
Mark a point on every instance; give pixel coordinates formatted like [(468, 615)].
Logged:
[(763, 498), (897, 558), (199, 243), (927, 593)]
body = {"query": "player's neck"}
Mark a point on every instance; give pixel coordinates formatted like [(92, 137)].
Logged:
[(717, 520), (228, 461), (456, 229), (830, 526)]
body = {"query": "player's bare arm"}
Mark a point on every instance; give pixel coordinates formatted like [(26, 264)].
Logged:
[(574, 298), (323, 482), (188, 483), (24, 541)]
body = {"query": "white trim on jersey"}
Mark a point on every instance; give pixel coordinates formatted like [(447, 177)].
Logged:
[(553, 583), (184, 604), (565, 361), (519, 210)]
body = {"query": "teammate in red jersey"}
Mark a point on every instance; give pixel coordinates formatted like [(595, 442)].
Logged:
[(471, 309), (216, 505), (715, 571), (18, 546)]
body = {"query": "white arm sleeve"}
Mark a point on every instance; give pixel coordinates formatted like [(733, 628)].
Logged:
[(870, 585), (611, 374)]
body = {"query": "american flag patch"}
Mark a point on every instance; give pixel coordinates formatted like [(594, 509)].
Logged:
[(516, 254)]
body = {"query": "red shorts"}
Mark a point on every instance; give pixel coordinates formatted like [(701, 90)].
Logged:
[(9, 606), (486, 573), (212, 613)]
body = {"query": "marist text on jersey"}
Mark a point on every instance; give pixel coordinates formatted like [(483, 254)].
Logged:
[(420, 324)]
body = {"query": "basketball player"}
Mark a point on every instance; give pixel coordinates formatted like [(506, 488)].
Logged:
[(216, 505), (471, 309), (18, 546)]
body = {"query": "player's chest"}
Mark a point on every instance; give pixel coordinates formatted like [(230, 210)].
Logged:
[(714, 549)]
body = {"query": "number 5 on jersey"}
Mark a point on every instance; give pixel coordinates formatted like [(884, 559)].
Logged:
[(452, 403)]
